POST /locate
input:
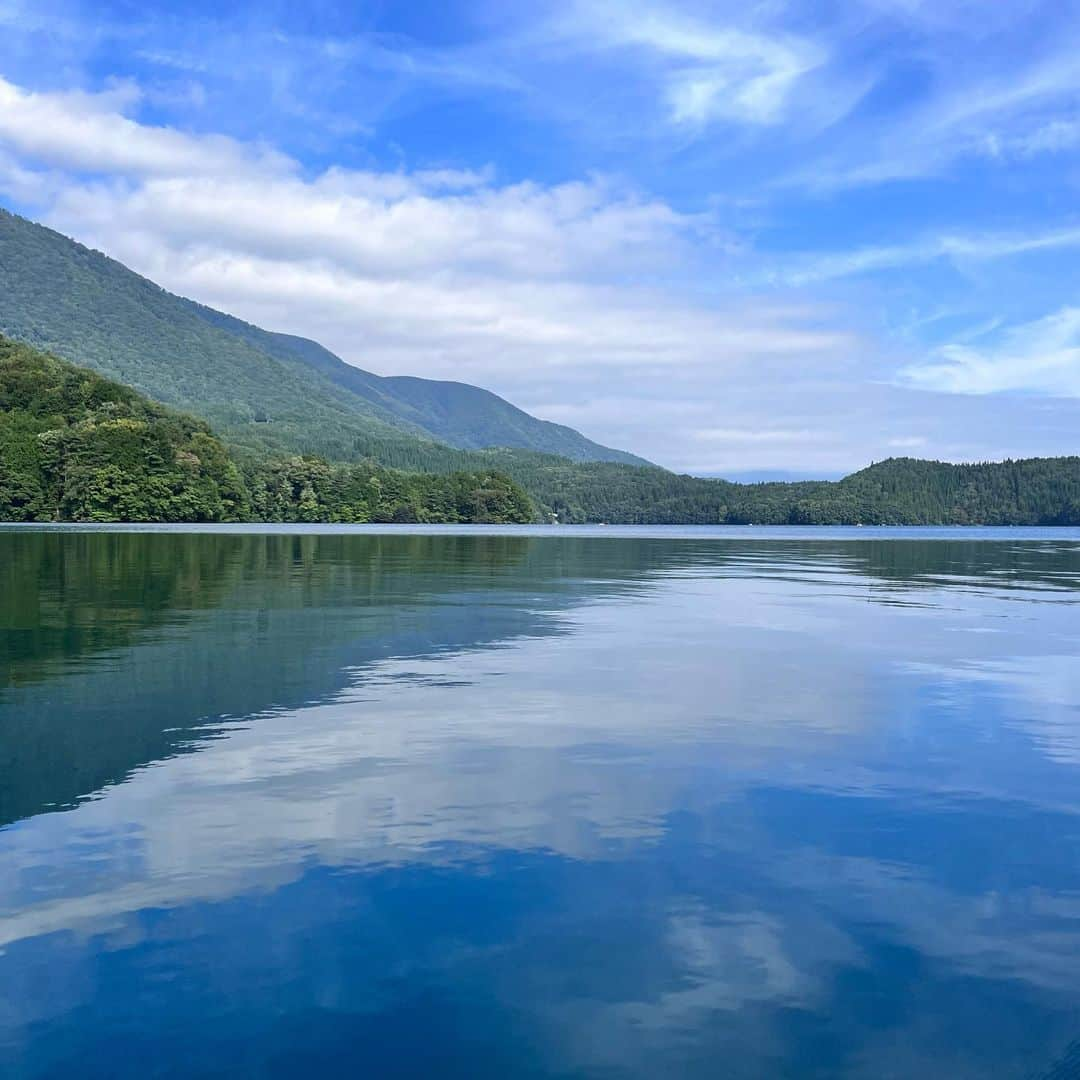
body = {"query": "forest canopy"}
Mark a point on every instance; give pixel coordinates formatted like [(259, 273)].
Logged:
[(75, 446), (900, 491)]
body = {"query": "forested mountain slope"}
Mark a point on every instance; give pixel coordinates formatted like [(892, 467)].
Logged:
[(456, 413), (261, 390), (76, 446)]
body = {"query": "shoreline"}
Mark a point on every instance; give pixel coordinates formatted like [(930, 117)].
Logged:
[(1068, 533)]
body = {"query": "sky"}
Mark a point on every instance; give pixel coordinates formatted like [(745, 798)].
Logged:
[(735, 238)]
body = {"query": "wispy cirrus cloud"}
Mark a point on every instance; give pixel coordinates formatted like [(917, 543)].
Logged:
[(707, 69), (804, 269), (984, 100), (1041, 357)]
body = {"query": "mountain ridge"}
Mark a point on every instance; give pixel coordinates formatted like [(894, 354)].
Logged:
[(259, 388), (444, 409)]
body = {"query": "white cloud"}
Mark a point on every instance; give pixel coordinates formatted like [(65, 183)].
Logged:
[(1012, 103), (725, 73), (90, 132), (709, 69), (1052, 137), (585, 301), (389, 224), (956, 247), (1041, 357)]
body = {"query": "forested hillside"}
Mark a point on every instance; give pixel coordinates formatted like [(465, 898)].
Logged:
[(464, 416), (1037, 491), (901, 491), (270, 393), (75, 446)]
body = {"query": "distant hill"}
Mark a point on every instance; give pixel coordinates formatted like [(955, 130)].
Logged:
[(259, 389), (1033, 491), (900, 491)]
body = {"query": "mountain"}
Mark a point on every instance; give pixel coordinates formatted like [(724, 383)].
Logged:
[(75, 446), (455, 413), (263, 390)]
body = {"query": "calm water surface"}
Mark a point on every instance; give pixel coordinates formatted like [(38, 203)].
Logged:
[(595, 803)]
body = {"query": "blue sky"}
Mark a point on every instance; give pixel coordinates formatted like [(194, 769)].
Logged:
[(730, 237)]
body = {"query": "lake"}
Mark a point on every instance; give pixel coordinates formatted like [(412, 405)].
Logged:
[(540, 803)]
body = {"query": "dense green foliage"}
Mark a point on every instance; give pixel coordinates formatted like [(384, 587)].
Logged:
[(266, 392), (309, 489), (75, 446)]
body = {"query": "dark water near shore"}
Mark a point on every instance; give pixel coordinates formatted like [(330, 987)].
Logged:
[(606, 803)]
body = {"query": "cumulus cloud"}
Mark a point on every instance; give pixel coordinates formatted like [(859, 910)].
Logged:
[(385, 225), (90, 132)]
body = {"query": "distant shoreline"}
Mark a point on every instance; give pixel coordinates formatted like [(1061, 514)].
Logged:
[(1069, 533)]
